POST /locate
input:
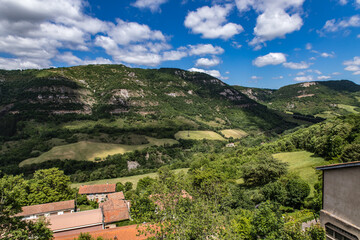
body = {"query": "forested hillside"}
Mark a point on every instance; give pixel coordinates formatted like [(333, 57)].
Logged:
[(322, 98)]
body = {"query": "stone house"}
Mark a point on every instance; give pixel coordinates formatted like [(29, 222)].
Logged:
[(97, 192)]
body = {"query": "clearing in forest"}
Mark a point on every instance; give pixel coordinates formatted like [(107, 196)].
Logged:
[(133, 179), (234, 133), (302, 163), (87, 150), (198, 135)]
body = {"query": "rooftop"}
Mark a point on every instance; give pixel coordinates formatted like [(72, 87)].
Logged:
[(46, 208), (115, 208), (123, 233), (75, 220), (99, 188), (339, 165)]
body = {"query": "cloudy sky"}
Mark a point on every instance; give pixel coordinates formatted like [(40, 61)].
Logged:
[(259, 43)]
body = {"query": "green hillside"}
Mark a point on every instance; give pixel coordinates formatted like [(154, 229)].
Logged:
[(322, 98), (108, 104)]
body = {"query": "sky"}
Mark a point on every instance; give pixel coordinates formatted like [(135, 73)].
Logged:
[(254, 43)]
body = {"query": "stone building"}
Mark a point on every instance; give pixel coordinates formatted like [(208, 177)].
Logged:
[(340, 214), (47, 209), (97, 192)]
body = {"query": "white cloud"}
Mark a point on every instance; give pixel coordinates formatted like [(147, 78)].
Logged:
[(174, 55), (206, 62), (214, 73), (255, 77), (125, 33), (323, 77), (204, 49), (336, 73), (326, 55), (274, 20), (353, 65), (334, 25), (279, 77), (153, 5), (292, 65), (211, 22), (308, 46), (317, 72), (304, 78), (270, 59), (69, 58), (343, 2), (22, 63)]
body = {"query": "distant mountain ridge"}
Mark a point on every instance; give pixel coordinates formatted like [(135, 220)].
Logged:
[(320, 98), (105, 91)]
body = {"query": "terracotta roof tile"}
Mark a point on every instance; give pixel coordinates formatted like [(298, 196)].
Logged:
[(99, 188), (115, 209), (75, 220), (47, 207), (122, 233), (117, 195)]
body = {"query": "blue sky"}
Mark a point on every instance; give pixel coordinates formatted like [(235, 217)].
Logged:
[(258, 43)]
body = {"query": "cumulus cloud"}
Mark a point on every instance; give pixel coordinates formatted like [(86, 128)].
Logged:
[(270, 59), (304, 78), (153, 5), (326, 55), (214, 73), (292, 65), (71, 59), (255, 77), (274, 20), (335, 25), (308, 46), (206, 62), (323, 77), (211, 22), (279, 77), (353, 65), (204, 49)]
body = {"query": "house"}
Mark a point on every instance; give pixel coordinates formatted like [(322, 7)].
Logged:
[(230, 145), (67, 224), (115, 209), (97, 192), (340, 214), (47, 209)]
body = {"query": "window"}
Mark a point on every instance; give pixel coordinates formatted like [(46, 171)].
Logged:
[(60, 213), (47, 214), (335, 233)]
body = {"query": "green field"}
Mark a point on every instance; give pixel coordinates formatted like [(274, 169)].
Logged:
[(302, 163), (234, 133), (348, 108), (87, 150), (133, 179), (198, 135)]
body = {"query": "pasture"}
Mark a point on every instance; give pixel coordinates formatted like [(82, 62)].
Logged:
[(88, 150), (133, 179), (302, 163), (234, 133), (198, 135)]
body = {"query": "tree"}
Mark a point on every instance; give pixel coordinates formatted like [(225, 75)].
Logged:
[(275, 192), (49, 185), (297, 190), (315, 232), (267, 222), (263, 170), (12, 195)]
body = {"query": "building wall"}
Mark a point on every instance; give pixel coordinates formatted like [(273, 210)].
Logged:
[(342, 199), (78, 231)]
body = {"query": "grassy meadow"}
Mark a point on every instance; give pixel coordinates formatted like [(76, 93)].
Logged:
[(88, 150), (198, 135), (234, 133), (133, 179), (303, 163)]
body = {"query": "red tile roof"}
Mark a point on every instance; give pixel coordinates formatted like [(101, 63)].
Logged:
[(75, 220), (122, 233), (99, 188), (115, 208), (117, 195), (47, 208)]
